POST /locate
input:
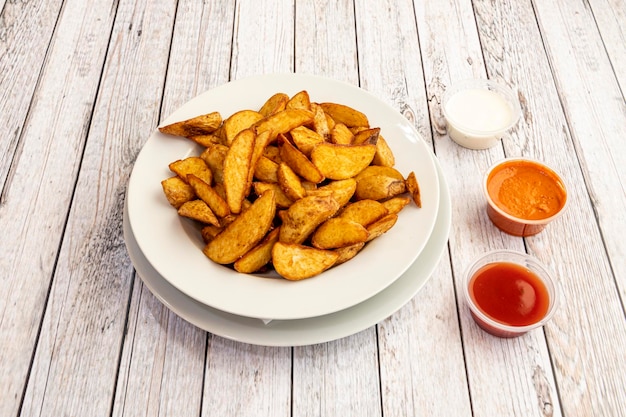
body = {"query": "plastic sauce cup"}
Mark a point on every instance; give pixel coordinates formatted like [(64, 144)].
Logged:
[(509, 293), (523, 196), (478, 112)]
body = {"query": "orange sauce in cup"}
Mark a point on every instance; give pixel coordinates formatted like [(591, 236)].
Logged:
[(526, 190)]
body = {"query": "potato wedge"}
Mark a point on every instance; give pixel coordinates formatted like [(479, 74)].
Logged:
[(396, 204), (300, 100), (207, 194), (205, 140), (239, 121), (338, 232), (348, 252), (298, 161), (236, 169), (192, 165), (282, 200), (345, 114), (200, 125), (366, 136), (260, 142), (305, 139), (339, 162), (290, 183), (321, 123), (296, 262), (384, 155), (413, 186), (177, 191), (364, 212), (274, 104), (266, 170), (341, 135), (272, 152), (380, 170), (198, 210), (381, 226), (259, 256), (209, 232), (214, 156), (304, 215), (244, 233), (341, 190), (378, 187), (284, 121)]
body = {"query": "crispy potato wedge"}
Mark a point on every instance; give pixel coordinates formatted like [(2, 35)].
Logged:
[(274, 104), (348, 252), (290, 183), (339, 162), (380, 171), (321, 123), (239, 121), (206, 140), (396, 204), (214, 156), (305, 139), (338, 232), (378, 187), (345, 114), (413, 186), (192, 165), (381, 226), (244, 233), (207, 194), (272, 152), (295, 262), (341, 135), (236, 169), (198, 210), (341, 190), (298, 161), (366, 136), (177, 191), (282, 200), (384, 155), (260, 142), (304, 215), (266, 170), (300, 100), (209, 232), (364, 212), (258, 257), (199, 125), (282, 122)]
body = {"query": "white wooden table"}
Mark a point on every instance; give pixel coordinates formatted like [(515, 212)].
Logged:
[(82, 83)]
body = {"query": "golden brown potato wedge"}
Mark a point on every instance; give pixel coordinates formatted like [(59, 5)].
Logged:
[(384, 155), (396, 204), (295, 262), (381, 226), (244, 232), (177, 191), (214, 156), (364, 212), (266, 170), (272, 152), (341, 190), (258, 257), (300, 100), (339, 162), (378, 187), (298, 161), (380, 171), (207, 194), (274, 104), (345, 114), (284, 121), (413, 186), (192, 165), (338, 232), (366, 136), (282, 200), (290, 182), (209, 232), (305, 139), (205, 140), (304, 215), (341, 135), (198, 210), (236, 169), (321, 123), (239, 121), (260, 142), (348, 252), (199, 125)]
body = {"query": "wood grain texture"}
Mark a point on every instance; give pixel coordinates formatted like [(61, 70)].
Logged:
[(610, 19), (82, 331)]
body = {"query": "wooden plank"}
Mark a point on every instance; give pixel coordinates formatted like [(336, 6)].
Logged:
[(24, 26), (36, 199), (161, 347), (338, 377), (82, 331), (390, 67), (609, 16), (506, 377)]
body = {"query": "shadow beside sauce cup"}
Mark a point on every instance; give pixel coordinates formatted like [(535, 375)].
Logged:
[(523, 196), (509, 293)]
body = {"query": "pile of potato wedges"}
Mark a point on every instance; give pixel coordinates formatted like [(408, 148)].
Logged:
[(295, 186)]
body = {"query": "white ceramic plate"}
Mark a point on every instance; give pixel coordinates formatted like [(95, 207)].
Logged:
[(173, 245), (304, 331)]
